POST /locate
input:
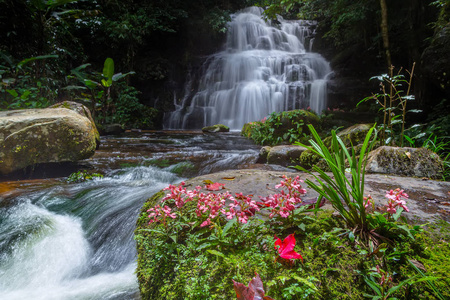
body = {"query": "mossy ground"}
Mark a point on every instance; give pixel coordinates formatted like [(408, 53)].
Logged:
[(184, 261)]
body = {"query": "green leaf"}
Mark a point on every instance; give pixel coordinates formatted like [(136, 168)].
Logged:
[(302, 227), (27, 60), (173, 237), (228, 226), (397, 214), (13, 93), (90, 83), (217, 253), (351, 236), (119, 76), (108, 72), (55, 3), (204, 245), (374, 286)]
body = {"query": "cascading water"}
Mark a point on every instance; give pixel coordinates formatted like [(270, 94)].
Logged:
[(75, 241), (263, 69)]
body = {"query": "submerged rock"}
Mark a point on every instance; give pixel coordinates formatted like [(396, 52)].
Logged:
[(419, 162), (111, 129), (34, 136), (216, 128)]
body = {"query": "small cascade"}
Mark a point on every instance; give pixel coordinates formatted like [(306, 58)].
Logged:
[(263, 69)]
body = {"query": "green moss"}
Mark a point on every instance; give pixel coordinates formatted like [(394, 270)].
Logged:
[(216, 128), (182, 168), (160, 163), (308, 159), (188, 262), (281, 128)]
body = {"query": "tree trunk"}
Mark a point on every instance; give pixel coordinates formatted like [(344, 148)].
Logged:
[(385, 32)]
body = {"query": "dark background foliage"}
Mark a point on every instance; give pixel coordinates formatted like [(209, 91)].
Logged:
[(163, 41)]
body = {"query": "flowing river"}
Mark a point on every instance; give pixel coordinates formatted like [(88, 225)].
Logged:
[(62, 240)]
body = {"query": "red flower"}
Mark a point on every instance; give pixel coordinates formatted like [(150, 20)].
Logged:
[(286, 248)]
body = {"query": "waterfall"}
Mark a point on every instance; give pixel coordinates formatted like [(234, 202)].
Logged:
[(263, 69)]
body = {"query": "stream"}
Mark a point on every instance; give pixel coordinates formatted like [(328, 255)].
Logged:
[(61, 240)]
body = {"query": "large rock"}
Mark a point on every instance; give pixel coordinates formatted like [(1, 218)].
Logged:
[(419, 162), (352, 135), (34, 136), (81, 110), (285, 155)]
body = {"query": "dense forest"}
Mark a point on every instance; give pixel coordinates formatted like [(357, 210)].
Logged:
[(53, 50)]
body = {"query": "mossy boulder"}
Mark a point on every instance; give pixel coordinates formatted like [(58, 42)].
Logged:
[(216, 128), (352, 135), (281, 127), (297, 120), (35, 136), (247, 130), (81, 110), (418, 162), (285, 155), (308, 158)]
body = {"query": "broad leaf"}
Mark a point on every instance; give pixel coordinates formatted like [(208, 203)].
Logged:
[(254, 291), (27, 60), (108, 72)]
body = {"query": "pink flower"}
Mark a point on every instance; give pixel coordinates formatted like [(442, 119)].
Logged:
[(368, 202), (284, 203), (158, 212), (395, 200), (215, 186)]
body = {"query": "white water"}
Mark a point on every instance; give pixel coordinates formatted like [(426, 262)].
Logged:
[(75, 241), (263, 69)]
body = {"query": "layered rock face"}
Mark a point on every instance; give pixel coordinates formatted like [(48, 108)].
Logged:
[(35, 136)]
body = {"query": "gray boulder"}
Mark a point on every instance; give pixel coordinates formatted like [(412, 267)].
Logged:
[(34, 136), (418, 162), (285, 155)]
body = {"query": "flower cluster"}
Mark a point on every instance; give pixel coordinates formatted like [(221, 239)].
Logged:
[(284, 203), (211, 206), (395, 200), (159, 214), (242, 209)]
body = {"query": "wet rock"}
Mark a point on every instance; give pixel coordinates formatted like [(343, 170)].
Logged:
[(112, 129), (216, 128), (263, 153), (35, 136), (418, 162), (285, 155)]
